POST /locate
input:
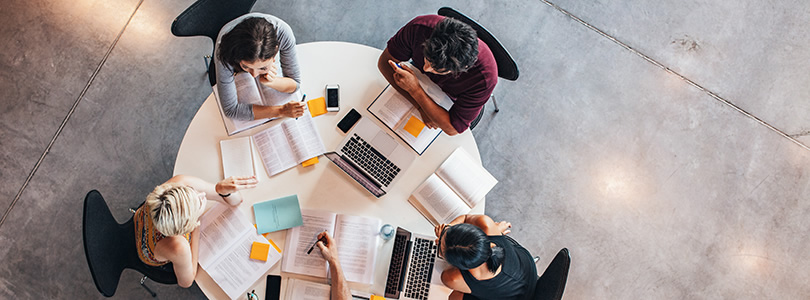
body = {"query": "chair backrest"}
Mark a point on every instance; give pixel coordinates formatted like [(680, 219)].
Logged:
[(206, 17), (551, 285), (109, 247), (507, 67)]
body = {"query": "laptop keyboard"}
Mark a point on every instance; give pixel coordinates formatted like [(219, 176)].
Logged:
[(395, 269), (372, 161), (421, 269)]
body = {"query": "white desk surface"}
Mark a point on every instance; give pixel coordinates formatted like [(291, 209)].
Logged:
[(324, 185)]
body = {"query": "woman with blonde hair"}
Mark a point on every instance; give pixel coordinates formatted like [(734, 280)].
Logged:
[(167, 225)]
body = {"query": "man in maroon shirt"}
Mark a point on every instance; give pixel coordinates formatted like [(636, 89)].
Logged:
[(451, 55)]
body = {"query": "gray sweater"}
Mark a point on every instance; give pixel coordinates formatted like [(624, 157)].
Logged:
[(225, 81)]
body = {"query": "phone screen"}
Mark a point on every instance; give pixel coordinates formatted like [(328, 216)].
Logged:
[(273, 291), (348, 121), (332, 97)]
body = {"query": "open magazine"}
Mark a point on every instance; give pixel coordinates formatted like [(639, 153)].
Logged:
[(457, 186), (357, 238), (403, 118)]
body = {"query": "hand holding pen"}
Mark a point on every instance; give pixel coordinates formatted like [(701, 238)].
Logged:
[(302, 104), (327, 246)]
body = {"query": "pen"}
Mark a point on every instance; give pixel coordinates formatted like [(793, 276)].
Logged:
[(302, 100), (322, 239)]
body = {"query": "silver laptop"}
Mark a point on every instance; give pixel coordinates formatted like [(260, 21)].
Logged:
[(411, 267), (373, 158)]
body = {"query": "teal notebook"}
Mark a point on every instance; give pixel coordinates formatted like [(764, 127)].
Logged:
[(277, 214)]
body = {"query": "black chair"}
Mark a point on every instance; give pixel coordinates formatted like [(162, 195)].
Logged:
[(507, 67), (551, 284), (110, 248), (206, 17)]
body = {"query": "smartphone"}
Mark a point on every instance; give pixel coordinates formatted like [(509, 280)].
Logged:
[(332, 97), (273, 291), (348, 121)]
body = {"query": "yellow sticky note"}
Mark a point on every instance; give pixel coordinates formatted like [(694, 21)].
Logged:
[(310, 162), (259, 251), (414, 126), (375, 297), (317, 106)]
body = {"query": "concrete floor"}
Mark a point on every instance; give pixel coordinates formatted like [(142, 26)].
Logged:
[(659, 189)]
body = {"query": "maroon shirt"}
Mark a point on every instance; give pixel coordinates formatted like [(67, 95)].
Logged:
[(468, 90)]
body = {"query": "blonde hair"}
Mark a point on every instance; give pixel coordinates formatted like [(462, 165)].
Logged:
[(174, 208)]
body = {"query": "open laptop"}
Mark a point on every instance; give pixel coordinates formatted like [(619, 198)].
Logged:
[(411, 268), (372, 157)]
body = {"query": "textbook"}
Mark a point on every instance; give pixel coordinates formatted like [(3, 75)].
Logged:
[(357, 238), (237, 157), (288, 144), (226, 239), (457, 186), (403, 118), (250, 91)]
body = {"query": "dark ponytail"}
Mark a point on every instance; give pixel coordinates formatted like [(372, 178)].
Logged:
[(495, 259), (466, 246)]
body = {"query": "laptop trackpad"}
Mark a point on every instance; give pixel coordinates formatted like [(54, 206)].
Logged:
[(384, 143)]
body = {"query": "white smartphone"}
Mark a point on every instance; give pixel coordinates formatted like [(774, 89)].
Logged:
[(332, 97)]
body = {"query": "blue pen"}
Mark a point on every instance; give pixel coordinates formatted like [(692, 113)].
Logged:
[(302, 100)]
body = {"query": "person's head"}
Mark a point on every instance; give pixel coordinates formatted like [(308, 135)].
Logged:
[(451, 48), (175, 208), (466, 246), (251, 46)]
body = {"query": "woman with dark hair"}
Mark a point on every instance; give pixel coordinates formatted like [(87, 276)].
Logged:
[(487, 264), (249, 45)]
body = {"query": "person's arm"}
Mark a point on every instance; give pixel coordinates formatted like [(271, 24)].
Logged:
[(340, 288), (405, 82), (183, 255), (228, 186)]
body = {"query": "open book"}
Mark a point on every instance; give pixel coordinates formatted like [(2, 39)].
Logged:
[(403, 118), (357, 238), (226, 238), (454, 189), (250, 91), (290, 143)]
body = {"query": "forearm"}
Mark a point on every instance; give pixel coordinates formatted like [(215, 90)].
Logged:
[(281, 84), (435, 112), (340, 288), (212, 191)]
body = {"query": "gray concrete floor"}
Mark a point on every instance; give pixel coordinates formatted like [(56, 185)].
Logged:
[(659, 189)]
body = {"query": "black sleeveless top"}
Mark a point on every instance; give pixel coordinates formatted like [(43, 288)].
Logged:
[(515, 281)]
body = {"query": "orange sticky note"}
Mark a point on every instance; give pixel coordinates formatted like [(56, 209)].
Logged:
[(414, 126), (259, 251), (317, 106), (310, 162), (375, 297)]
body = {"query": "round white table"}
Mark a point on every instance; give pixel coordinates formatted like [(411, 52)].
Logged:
[(322, 186)]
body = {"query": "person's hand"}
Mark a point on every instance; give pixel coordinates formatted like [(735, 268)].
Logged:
[(329, 249), (504, 227), (235, 183), (439, 228), (404, 77), (292, 109), (268, 79)]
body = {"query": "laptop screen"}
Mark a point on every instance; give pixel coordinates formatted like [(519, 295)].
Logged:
[(358, 176)]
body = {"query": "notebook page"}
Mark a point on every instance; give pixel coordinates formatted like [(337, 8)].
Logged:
[(237, 157), (301, 238), (305, 141), (274, 150), (357, 239), (307, 290)]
